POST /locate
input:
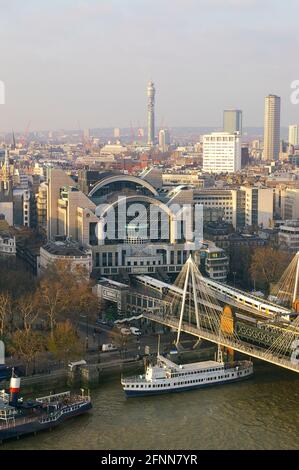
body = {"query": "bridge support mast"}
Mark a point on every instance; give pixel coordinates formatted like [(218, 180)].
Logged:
[(183, 303), (195, 295), (296, 280), (190, 266)]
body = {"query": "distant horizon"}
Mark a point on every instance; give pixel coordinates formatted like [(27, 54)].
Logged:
[(247, 131)]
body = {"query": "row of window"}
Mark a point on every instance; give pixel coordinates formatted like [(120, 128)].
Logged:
[(197, 372), (186, 382)]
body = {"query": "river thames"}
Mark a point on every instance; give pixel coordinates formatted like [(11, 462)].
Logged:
[(260, 413)]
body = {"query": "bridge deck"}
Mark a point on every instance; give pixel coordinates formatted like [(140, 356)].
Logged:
[(251, 350)]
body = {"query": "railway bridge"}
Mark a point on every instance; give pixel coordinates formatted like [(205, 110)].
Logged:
[(209, 310)]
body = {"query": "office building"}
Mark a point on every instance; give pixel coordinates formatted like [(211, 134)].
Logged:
[(294, 135), (221, 153), (272, 128), (258, 205), (164, 140), (232, 121)]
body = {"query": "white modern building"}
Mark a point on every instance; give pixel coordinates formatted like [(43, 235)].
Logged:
[(294, 134), (221, 152)]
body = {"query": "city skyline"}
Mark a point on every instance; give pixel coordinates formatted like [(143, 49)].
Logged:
[(58, 74)]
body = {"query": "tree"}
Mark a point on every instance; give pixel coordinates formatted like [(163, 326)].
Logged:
[(83, 301), (27, 310), (27, 345), (267, 265), (64, 293), (51, 300), (6, 312), (65, 344)]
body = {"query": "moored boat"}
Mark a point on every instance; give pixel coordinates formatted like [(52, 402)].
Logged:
[(18, 417), (166, 376)]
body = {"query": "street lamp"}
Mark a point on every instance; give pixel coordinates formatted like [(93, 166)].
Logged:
[(87, 331)]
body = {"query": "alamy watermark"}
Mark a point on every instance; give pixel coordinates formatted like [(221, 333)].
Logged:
[(2, 92), (139, 222), (294, 97)]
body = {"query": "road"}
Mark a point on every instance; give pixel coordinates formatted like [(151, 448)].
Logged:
[(98, 334)]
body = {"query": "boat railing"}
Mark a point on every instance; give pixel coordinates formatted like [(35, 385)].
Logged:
[(61, 411), (238, 364), (134, 378), (54, 397), (17, 422)]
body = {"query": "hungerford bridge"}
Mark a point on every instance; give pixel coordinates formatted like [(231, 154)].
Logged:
[(208, 310)]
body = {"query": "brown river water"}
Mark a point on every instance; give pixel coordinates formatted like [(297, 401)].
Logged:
[(260, 413)]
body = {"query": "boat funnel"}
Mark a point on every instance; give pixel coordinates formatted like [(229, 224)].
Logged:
[(14, 390)]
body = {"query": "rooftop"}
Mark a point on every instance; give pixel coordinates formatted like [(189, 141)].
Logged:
[(61, 248)]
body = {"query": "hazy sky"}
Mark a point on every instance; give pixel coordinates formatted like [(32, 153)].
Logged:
[(88, 61)]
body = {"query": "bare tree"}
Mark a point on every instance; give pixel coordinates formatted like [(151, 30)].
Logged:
[(28, 313), (267, 265), (6, 312), (27, 345)]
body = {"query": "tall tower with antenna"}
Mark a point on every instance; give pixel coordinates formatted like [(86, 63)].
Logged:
[(151, 91)]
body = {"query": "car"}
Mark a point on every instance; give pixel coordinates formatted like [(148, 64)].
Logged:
[(108, 347), (135, 331)]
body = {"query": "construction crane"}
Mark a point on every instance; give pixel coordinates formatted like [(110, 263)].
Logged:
[(23, 139)]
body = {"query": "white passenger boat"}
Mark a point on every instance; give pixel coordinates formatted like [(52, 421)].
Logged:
[(166, 376)]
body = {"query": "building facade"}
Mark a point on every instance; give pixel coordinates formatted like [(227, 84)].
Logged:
[(66, 251), (215, 262), (154, 241), (7, 244), (288, 236)]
